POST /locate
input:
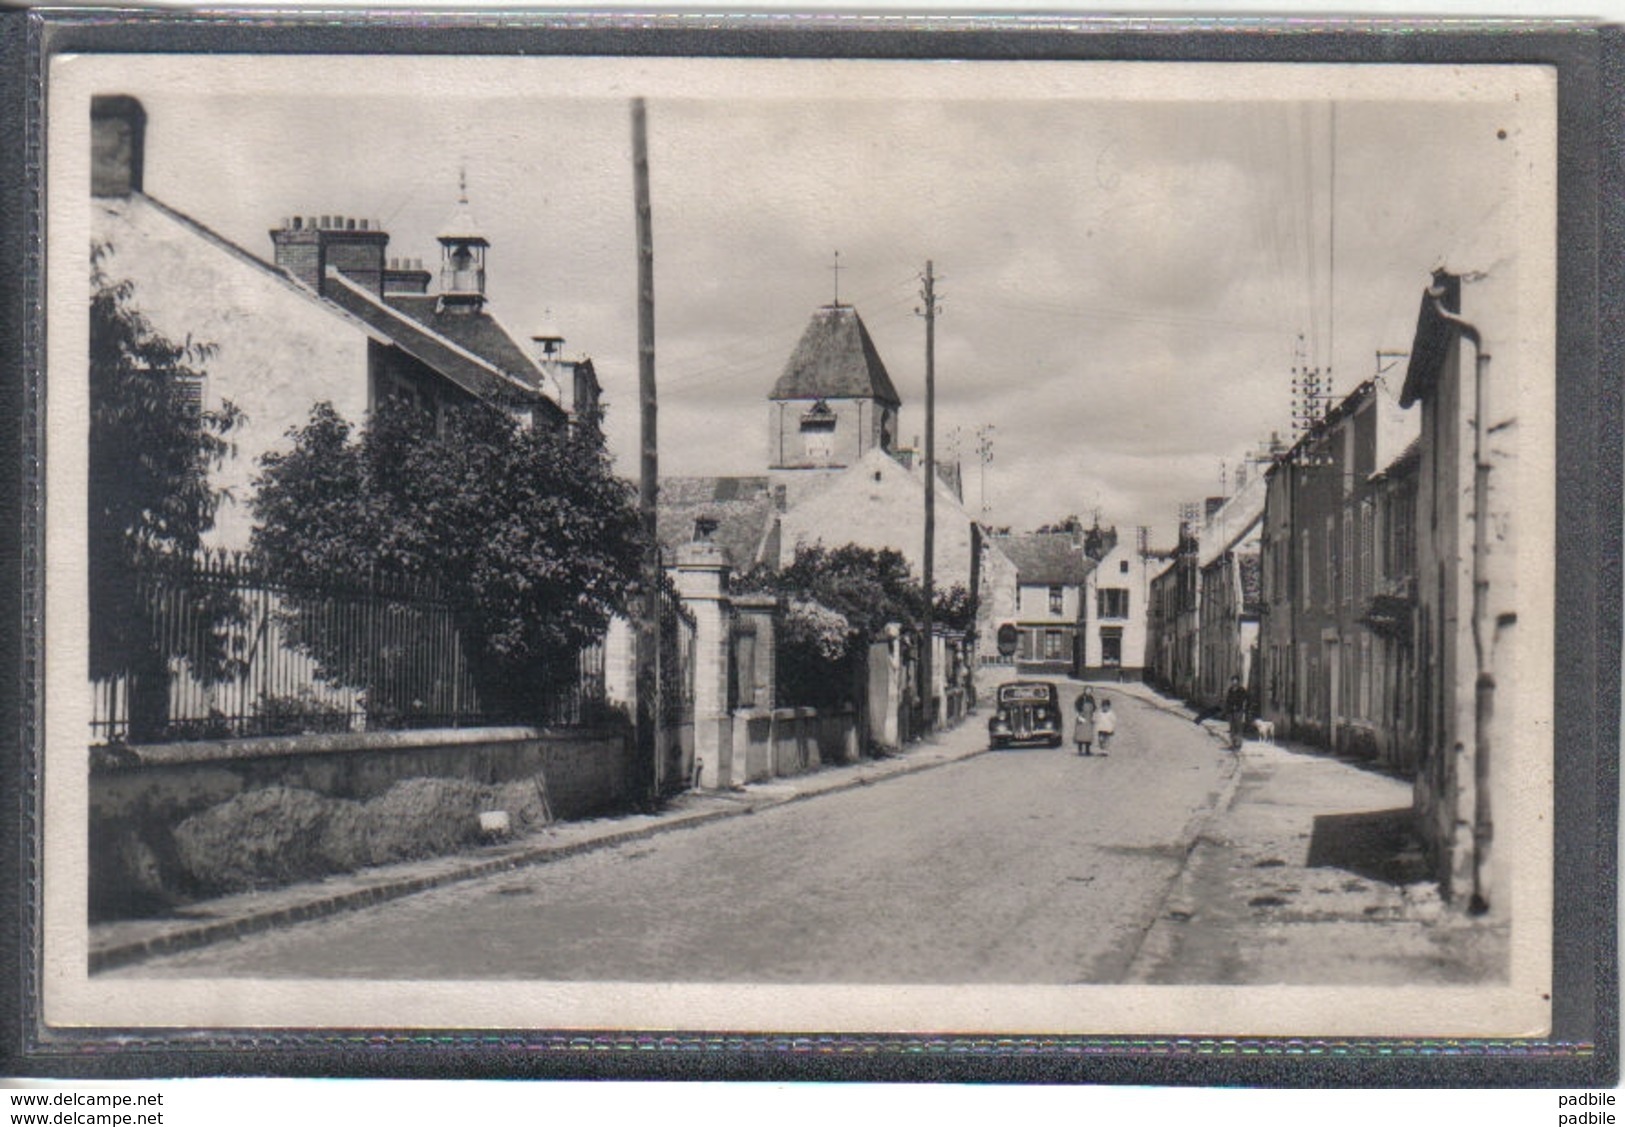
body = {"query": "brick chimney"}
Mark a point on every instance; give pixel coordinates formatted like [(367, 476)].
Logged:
[(407, 276), (307, 245), (118, 137)]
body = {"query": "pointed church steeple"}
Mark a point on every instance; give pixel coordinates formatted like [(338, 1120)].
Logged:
[(834, 402), (836, 359), (462, 256)]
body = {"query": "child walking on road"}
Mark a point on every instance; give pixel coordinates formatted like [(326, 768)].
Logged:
[(1105, 725)]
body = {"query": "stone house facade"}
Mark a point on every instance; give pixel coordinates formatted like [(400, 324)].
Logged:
[(1325, 666), (1049, 610), (329, 317), (1465, 379)]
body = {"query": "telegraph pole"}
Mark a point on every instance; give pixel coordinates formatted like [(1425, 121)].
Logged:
[(984, 451), (645, 772), (929, 295)]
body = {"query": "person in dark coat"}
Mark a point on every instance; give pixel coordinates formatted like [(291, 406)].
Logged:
[(1236, 708), (1083, 724)]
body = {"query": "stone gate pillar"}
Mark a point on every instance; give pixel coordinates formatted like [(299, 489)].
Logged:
[(702, 583)]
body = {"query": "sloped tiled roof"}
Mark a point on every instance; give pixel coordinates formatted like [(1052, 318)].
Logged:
[(836, 359), (1046, 558), (1409, 459), (479, 333), (742, 508), (465, 368)]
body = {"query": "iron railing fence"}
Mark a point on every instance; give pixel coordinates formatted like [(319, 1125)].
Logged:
[(676, 658), (369, 652)]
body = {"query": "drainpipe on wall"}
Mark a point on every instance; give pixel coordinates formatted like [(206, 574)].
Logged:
[(1484, 686)]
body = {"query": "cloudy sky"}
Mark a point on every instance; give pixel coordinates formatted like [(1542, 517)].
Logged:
[(1128, 254)]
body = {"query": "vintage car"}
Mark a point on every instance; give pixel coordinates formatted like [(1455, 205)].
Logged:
[(1026, 712)]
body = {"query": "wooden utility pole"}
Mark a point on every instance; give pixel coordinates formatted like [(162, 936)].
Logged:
[(645, 769), (929, 295)]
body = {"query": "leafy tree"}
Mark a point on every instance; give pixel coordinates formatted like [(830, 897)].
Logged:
[(869, 587), (152, 448), (1070, 523), (863, 588), (525, 530), (955, 608)]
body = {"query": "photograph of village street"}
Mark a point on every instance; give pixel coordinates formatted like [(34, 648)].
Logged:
[(931, 533)]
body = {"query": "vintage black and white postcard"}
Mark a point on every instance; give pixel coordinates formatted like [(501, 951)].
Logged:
[(854, 546)]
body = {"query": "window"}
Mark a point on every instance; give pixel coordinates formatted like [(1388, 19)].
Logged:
[(1328, 587), (1122, 567), (1054, 645), (818, 440), (1348, 458), (1057, 600), (1111, 645), (1348, 557), (818, 432), (1112, 602), (1366, 711), (1303, 574), (1368, 547)]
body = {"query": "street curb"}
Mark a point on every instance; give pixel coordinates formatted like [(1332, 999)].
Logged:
[(183, 938), (1196, 832)]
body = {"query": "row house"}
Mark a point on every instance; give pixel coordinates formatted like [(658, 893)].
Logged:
[(1049, 612), (1118, 592), (1159, 611), (1387, 581), (1336, 576), (1175, 595), (1470, 372), (1230, 596)]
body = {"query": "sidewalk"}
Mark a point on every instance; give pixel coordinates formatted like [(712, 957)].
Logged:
[(1308, 871), (125, 941)]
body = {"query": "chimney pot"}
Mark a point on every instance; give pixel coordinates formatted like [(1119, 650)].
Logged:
[(118, 127)]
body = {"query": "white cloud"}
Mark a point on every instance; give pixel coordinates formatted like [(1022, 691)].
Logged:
[(1123, 280)]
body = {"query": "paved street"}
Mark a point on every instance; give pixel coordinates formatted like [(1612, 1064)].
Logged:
[(1022, 866)]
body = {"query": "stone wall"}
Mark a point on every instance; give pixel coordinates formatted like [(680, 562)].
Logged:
[(782, 742), (175, 822)]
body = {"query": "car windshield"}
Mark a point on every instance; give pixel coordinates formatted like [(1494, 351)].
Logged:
[(1015, 694)]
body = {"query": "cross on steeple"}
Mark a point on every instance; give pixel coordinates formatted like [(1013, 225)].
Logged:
[(836, 269)]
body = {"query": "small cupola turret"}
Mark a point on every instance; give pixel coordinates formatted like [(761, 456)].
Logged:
[(462, 258), (548, 341)]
